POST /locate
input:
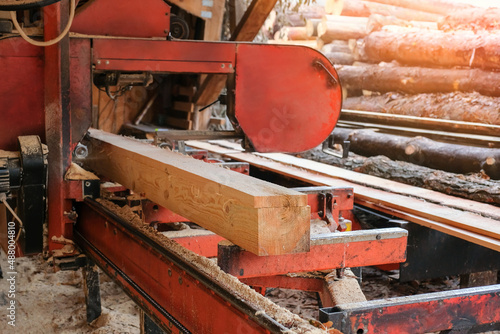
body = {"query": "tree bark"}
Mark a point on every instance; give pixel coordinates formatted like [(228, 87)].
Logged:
[(424, 152), (434, 48), (472, 19), (470, 107), (475, 186), (415, 80), (340, 58)]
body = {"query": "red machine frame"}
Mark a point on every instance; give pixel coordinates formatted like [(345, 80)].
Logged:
[(59, 112)]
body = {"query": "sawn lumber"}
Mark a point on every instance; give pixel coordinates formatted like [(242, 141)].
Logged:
[(258, 216), (455, 216)]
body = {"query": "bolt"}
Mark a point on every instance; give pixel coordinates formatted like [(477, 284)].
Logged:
[(98, 62), (378, 237), (115, 231), (180, 280), (169, 272), (107, 62), (241, 272), (222, 65), (87, 184), (230, 65)]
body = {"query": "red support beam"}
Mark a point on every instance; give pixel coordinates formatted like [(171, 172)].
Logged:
[(169, 289), (57, 119), (328, 251)]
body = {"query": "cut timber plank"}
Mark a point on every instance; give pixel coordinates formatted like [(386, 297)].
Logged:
[(483, 209), (466, 225), (258, 216)]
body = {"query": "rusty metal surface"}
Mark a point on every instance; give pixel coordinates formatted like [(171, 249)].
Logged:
[(165, 286), (57, 121), (328, 251), (470, 310)]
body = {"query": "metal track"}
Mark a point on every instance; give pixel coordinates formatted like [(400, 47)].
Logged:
[(129, 255)]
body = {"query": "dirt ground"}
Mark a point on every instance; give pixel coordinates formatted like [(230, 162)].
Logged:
[(49, 302)]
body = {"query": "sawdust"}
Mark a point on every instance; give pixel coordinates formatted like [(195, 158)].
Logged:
[(76, 172), (54, 302), (211, 270)]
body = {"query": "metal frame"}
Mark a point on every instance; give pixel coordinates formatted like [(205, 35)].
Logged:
[(164, 285), (468, 310)]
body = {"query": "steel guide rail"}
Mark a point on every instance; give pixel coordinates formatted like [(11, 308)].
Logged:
[(100, 231)]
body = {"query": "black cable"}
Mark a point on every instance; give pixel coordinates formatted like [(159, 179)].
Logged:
[(13, 5)]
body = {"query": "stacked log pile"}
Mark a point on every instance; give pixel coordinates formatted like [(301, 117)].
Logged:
[(427, 58), (414, 54)]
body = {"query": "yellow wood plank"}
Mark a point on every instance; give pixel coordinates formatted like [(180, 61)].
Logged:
[(261, 217)]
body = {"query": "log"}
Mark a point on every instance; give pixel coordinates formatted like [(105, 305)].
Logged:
[(422, 151), (401, 12), (361, 21), (415, 80), (355, 8), (334, 7), (467, 107), (442, 7), (305, 13), (330, 30), (292, 34), (377, 21), (312, 27), (336, 46), (472, 18), (399, 200), (474, 187), (422, 47), (340, 58), (260, 217)]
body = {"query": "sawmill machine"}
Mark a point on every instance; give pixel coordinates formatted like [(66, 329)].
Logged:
[(279, 98)]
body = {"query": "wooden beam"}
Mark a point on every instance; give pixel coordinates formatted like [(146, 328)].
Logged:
[(252, 20), (258, 216), (433, 213), (247, 29)]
